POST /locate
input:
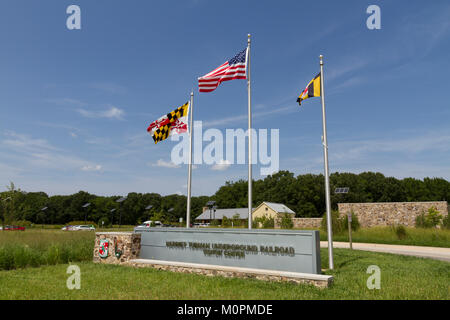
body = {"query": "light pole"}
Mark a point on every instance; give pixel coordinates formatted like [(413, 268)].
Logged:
[(86, 205), (170, 210), (149, 207), (211, 205), (112, 216), (4, 213), (120, 209), (43, 210)]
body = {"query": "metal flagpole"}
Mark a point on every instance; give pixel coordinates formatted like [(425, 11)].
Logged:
[(327, 177), (249, 136), (191, 130)]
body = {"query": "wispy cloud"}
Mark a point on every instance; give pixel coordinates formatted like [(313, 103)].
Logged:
[(26, 143), (346, 150), (92, 168), (165, 164), (111, 113), (36, 153), (221, 166)]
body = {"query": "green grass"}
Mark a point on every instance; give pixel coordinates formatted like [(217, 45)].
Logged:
[(401, 278), (36, 247), (415, 236)]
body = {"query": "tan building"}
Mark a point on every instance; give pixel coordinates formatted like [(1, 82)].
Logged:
[(271, 210)]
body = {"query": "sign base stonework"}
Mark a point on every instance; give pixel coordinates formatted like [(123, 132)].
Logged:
[(116, 247)]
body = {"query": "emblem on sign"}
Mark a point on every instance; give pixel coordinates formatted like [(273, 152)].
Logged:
[(103, 250)]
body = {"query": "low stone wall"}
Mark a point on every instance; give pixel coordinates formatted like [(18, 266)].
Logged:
[(390, 213), (116, 247), (303, 223), (320, 281)]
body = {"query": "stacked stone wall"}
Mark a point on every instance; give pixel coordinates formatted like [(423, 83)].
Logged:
[(391, 213)]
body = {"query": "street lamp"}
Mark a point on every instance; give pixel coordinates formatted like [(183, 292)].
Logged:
[(85, 211), (149, 208), (120, 200), (211, 204), (43, 209), (112, 216), (4, 213)]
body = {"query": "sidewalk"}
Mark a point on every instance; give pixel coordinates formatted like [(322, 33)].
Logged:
[(417, 251)]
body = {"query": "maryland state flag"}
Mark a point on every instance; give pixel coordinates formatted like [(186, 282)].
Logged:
[(174, 122), (311, 90)]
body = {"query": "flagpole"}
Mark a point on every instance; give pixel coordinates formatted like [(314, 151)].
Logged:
[(191, 129), (249, 136), (327, 176)]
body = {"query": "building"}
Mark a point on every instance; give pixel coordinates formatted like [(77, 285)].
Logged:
[(208, 215), (271, 210)]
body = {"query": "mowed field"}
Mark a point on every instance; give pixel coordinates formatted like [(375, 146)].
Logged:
[(53, 251)]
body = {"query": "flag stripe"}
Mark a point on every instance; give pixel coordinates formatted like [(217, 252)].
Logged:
[(234, 68)]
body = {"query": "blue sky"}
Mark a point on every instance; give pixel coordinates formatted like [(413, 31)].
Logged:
[(75, 104)]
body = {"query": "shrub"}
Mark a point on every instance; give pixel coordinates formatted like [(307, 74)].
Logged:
[(354, 224), (400, 231), (215, 222), (22, 223), (237, 222), (446, 222), (264, 222), (337, 223), (226, 222), (430, 219), (285, 221), (106, 222)]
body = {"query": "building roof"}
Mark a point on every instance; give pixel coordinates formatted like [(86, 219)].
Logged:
[(220, 213), (278, 207)]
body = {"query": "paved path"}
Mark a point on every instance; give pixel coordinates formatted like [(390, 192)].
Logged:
[(423, 252)]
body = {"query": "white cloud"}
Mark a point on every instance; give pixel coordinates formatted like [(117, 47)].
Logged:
[(92, 168), (165, 164), (221, 166), (111, 113), (26, 143)]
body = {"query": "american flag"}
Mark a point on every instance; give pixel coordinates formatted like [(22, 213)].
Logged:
[(235, 68)]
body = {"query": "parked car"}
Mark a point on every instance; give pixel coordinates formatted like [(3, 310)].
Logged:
[(84, 228), (68, 228), (151, 223), (14, 228)]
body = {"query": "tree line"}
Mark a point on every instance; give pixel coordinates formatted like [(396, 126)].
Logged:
[(304, 194)]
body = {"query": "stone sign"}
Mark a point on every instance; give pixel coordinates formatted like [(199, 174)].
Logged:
[(283, 250)]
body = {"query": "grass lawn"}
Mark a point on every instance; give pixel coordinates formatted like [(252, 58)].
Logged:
[(401, 278)]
